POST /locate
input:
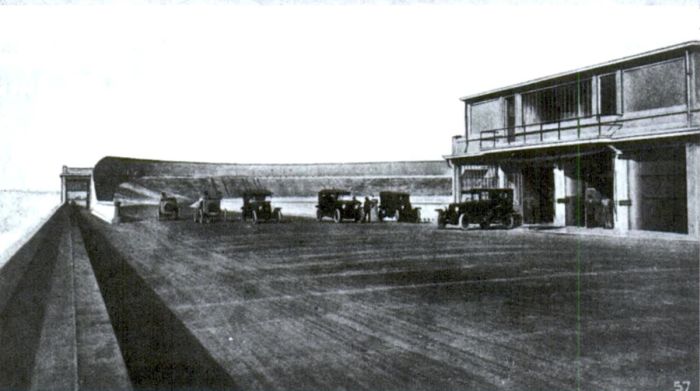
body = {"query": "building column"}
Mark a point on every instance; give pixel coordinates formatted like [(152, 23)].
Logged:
[(634, 193), (621, 193), (502, 182), (456, 182), (559, 195), (692, 173), (63, 190), (87, 199)]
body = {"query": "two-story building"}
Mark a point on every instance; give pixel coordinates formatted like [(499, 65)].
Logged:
[(625, 132)]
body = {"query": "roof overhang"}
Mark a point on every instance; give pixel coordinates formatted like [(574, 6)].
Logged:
[(602, 67)]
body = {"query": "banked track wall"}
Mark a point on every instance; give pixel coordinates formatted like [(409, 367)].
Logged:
[(74, 315)]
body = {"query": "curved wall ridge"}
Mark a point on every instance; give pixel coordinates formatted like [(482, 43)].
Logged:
[(188, 179)]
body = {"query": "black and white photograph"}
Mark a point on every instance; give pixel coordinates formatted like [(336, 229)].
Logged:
[(355, 195)]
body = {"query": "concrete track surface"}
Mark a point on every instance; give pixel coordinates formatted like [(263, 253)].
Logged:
[(308, 305), (304, 305)]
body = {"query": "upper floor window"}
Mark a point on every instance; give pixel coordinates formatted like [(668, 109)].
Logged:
[(510, 117), (487, 115), (608, 94), (562, 102), (654, 86)]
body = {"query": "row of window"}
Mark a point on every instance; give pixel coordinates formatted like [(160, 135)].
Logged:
[(648, 87)]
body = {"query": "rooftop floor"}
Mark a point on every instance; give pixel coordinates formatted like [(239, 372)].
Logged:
[(308, 305)]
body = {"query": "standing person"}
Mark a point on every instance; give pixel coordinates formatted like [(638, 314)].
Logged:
[(367, 208)]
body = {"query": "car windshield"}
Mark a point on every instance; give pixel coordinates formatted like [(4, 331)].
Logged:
[(259, 198), (470, 197), (344, 197)]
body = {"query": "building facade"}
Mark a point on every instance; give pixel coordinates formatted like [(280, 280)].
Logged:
[(622, 137), (75, 185)]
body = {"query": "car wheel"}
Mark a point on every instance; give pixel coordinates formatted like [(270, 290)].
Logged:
[(441, 223), (337, 216), (509, 221), (464, 221), (319, 215), (255, 217)]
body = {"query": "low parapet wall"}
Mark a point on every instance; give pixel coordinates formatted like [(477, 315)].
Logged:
[(54, 329)]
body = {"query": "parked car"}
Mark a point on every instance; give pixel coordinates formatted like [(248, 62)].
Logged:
[(483, 207), (257, 207), (338, 204), (208, 208), (168, 208), (598, 211), (397, 205)]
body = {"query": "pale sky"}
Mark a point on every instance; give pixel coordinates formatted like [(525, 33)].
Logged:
[(283, 84)]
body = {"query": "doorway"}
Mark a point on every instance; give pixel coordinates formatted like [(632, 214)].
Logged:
[(538, 194)]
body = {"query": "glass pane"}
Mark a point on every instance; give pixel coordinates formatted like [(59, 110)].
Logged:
[(608, 95), (487, 115), (655, 86)]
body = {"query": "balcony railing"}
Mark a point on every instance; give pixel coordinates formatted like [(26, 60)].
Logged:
[(586, 128)]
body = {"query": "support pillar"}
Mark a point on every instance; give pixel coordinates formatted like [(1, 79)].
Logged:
[(456, 182), (502, 183), (63, 190), (63, 185), (692, 173), (573, 190), (621, 193), (559, 196)]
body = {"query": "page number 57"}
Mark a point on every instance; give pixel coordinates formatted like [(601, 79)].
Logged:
[(681, 385)]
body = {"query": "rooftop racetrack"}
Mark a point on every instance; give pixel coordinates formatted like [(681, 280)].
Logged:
[(308, 305)]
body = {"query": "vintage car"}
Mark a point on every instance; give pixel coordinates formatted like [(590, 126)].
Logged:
[(256, 207), (598, 211), (338, 204), (397, 205), (168, 208), (208, 208), (483, 207)]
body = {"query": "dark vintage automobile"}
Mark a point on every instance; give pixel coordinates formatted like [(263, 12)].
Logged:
[(168, 208), (208, 208), (598, 209), (398, 206), (257, 207), (483, 207), (338, 204)]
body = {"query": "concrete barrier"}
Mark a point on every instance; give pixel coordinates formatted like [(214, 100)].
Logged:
[(55, 333), (25, 283), (159, 351)]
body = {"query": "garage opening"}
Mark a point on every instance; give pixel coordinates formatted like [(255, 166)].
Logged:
[(661, 190), (589, 190), (538, 194)]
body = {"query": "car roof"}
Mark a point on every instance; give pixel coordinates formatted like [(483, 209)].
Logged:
[(392, 192), (489, 189), (255, 192), (335, 191)]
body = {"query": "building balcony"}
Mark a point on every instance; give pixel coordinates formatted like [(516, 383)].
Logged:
[(610, 128)]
